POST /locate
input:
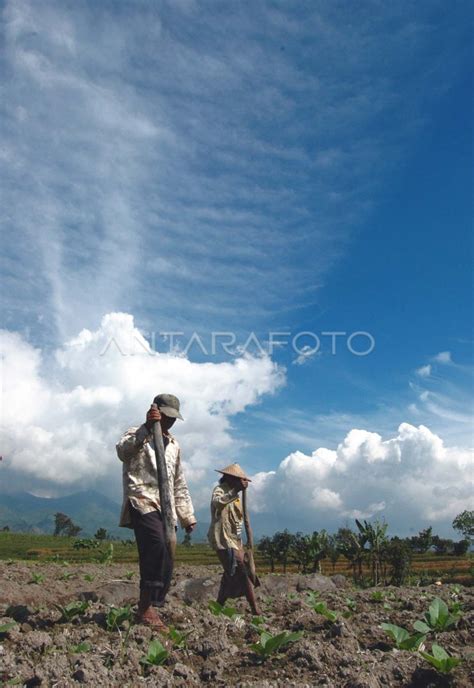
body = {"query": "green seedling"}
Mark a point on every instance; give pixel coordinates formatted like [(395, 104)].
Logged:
[(257, 623), (217, 609), (401, 637), (72, 609), (129, 575), (178, 638), (271, 644), (82, 647), (89, 577), (320, 608), (5, 628), (387, 606), (37, 578), (312, 598), (456, 608), (117, 616), (377, 596), (66, 576), (352, 604), (156, 654), (437, 618), (107, 557), (440, 659)]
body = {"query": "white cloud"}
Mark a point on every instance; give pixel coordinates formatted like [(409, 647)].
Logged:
[(424, 371), (306, 354), (63, 415), (410, 479), (443, 357)]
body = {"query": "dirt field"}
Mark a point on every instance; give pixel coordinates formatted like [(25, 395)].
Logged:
[(350, 652)]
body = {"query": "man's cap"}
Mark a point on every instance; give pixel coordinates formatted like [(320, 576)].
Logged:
[(235, 470), (169, 405)]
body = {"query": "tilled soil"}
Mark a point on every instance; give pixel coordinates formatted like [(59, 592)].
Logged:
[(352, 652)]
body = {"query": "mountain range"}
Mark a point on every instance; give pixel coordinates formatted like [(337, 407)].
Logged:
[(24, 512)]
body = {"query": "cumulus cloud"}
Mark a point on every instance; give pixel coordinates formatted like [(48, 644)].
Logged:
[(63, 415), (411, 480)]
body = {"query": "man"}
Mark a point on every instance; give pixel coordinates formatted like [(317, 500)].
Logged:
[(141, 503), (225, 536)]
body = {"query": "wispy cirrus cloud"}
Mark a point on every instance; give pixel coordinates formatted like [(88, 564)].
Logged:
[(187, 162)]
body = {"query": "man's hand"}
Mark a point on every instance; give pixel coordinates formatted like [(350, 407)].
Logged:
[(244, 483), (190, 528), (152, 417)]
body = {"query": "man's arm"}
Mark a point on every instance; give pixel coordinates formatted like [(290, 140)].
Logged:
[(131, 442), (182, 498)]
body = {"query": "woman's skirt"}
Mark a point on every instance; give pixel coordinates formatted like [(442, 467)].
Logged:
[(234, 582)]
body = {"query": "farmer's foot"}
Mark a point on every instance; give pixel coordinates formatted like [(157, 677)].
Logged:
[(150, 617)]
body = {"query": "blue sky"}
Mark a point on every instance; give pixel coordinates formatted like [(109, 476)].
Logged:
[(257, 167)]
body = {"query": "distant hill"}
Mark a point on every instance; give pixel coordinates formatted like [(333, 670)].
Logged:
[(89, 509), (23, 512)]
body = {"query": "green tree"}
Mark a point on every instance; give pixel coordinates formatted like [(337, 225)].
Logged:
[(301, 551), (422, 542), (464, 523), (442, 545), (283, 541), (351, 546), (398, 556), (374, 534), (333, 552), (318, 549), (461, 548), (268, 550), (101, 534), (63, 525)]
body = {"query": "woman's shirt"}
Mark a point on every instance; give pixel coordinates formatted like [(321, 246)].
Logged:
[(226, 518)]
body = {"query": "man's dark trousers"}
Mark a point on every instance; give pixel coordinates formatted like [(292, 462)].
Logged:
[(156, 565)]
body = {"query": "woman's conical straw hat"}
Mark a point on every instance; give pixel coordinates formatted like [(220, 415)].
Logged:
[(235, 470)]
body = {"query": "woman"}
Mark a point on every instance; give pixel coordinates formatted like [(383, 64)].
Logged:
[(225, 535)]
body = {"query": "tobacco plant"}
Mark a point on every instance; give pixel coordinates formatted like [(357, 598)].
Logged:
[(107, 557), (72, 609), (321, 608), (270, 644), (5, 628), (81, 647), (218, 609), (402, 638), (438, 617), (440, 659), (156, 654), (37, 578), (178, 638), (117, 616)]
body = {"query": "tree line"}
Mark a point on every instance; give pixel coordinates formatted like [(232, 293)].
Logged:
[(388, 559)]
